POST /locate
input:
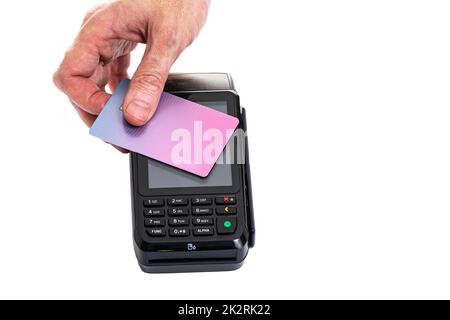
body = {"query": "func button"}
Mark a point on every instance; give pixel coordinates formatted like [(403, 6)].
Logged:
[(156, 232)]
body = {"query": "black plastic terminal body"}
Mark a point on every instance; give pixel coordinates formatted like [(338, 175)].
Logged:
[(197, 229)]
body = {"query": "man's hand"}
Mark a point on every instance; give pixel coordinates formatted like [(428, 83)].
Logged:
[(100, 55)]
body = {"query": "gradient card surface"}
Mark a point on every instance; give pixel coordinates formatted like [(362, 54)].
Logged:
[(160, 138)]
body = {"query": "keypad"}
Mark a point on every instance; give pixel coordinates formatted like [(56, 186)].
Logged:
[(199, 216)]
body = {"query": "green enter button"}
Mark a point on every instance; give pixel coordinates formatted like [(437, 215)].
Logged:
[(226, 225)]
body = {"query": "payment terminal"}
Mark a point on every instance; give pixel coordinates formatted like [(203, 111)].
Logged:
[(186, 223)]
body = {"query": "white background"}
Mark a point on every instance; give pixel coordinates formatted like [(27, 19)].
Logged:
[(349, 108)]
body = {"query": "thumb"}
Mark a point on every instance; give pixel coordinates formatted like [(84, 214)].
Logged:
[(147, 85)]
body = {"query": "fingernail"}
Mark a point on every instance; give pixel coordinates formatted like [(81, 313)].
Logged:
[(139, 109)]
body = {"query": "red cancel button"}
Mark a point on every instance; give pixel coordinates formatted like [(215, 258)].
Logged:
[(226, 200)]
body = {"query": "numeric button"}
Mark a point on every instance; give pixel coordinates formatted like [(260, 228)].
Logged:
[(178, 202), (203, 221), (199, 211), (153, 202), (179, 232), (176, 222), (154, 212), (178, 211), (154, 222), (201, 201)]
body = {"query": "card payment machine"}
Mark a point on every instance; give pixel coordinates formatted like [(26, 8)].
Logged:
[(185, 223)]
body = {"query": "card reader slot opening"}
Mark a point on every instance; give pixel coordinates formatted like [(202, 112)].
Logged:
[(176, 256), (219, 260)]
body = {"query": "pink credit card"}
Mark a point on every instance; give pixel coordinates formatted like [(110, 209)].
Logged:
[(181, 133)]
